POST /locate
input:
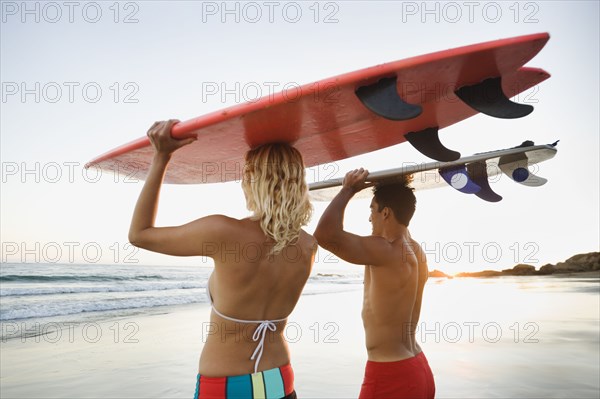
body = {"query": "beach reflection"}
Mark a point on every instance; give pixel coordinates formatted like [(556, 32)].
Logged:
[(513, 336)]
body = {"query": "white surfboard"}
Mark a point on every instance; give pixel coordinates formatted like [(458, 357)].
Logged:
[(469, 175)]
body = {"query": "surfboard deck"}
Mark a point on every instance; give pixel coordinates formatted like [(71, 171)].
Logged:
[(468, 174), (348, 115)]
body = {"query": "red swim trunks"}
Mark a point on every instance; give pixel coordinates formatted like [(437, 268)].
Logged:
[(408, 378)]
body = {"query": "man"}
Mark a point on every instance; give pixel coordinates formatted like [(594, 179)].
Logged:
[(395, 275)]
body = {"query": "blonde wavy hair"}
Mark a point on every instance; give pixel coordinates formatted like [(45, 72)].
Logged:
[(276, 192)]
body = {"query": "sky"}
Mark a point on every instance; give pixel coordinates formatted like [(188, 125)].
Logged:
[(80, 78)]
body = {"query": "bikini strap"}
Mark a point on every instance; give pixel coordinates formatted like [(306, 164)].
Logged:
[(259, 334)]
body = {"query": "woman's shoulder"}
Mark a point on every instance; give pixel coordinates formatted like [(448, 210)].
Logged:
[(219, 218), (224, 223), (308, 240)]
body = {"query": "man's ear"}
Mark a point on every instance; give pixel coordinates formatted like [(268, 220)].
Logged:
[(385, 212)]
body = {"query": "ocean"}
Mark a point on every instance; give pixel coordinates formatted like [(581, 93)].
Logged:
[(51, 293)]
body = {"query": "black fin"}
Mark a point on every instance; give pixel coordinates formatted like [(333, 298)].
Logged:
[(382, 98), (487, 97), (526, 143), (428, 143), (478, 173)]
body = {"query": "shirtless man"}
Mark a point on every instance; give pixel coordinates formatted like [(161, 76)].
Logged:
[(395, 275)]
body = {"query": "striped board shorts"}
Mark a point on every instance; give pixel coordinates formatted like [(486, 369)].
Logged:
[(277, 383)]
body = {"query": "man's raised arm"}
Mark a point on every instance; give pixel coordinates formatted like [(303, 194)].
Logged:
[(350, 247)]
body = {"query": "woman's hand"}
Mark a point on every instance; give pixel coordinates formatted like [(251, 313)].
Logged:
[(161, 139)]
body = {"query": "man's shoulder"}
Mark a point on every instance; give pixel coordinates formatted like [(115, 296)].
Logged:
[(409, 249), (406, 244)]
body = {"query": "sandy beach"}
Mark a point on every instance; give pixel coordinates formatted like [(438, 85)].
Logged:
[(481, 346), (156, 354)]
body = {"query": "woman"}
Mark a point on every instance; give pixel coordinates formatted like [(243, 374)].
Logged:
[(261, 266)]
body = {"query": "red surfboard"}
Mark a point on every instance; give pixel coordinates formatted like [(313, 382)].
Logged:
[(353, 113)]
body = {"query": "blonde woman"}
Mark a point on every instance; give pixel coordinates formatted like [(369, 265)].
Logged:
[(261, 266)]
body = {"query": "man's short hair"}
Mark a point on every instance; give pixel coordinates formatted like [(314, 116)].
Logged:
[(399, 197)]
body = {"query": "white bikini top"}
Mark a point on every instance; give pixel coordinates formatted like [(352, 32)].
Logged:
[(259, 334)]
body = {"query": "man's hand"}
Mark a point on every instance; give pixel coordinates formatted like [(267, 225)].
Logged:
[(355, 180), (161, 139)]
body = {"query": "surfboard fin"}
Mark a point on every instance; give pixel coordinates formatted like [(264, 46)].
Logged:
[(458, 178), (487, 97), (428, 143), (478, 173), (382, 98), (522, 175), (517, 168)]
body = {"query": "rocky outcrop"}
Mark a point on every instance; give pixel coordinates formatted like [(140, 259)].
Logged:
[(520, 270), (438, 273), (580, 263), (576, 264), (547, 269)]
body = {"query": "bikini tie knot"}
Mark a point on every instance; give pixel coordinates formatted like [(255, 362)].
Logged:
[(259, 336)]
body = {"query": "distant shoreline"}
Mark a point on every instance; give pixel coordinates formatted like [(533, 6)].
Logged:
[(581, 265), (440, 274)]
